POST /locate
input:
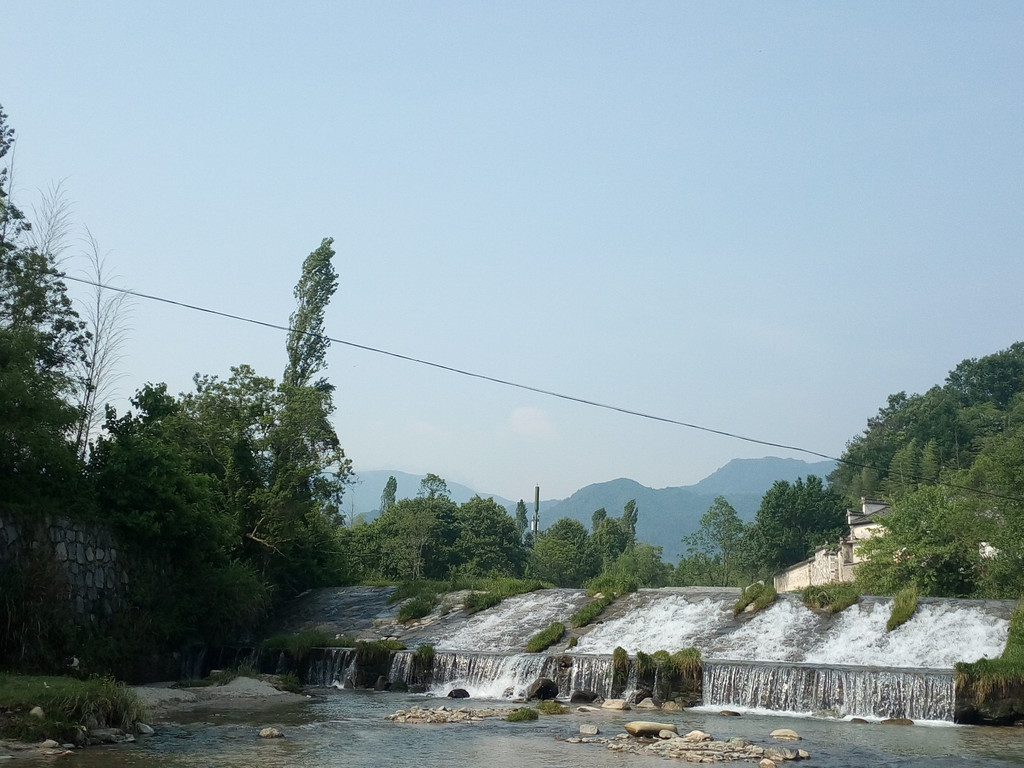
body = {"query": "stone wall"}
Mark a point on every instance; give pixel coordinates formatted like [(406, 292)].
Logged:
[(826, 567), (84, 556)]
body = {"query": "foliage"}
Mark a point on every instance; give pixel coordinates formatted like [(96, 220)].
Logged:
[(488, 540), (523, 714), (758, 594), (904, 603), (423, 658), (66, 702), (481, 601), (687, 662), (792, 520), (562, 555), (299, 644), (931, 538), (620, 668), (551, 707), (831, 598), (546, 637), (718, 538), (645, 663)]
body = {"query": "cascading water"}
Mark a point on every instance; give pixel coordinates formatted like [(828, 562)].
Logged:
[(330, 666), (785, 657), (510, 625), (918, 694)]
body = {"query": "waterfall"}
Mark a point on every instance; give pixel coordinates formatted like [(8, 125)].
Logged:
[(330, 665), (918, 694)]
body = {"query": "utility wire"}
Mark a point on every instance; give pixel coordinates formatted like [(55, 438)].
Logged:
[(526, 387)]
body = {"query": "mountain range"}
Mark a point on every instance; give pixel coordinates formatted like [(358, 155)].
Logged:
[(666, 515)]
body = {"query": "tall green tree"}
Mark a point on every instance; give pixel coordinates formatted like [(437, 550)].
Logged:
[(307, 340), (522, 519), (488, 541), (718, 540), (561, 555), (793, 520), (387, 496)]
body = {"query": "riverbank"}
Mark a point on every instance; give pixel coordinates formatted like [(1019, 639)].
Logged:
[(163, 700)]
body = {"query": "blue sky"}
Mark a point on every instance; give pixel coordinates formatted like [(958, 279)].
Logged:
[(759, 217)]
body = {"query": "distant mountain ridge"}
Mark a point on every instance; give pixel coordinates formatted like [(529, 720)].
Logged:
[(666, 514)]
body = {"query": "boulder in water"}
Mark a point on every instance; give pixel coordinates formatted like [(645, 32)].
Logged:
[(671, 706), (697, 736), (639, 695), (648, 728), (583, 697), (766, 763), (615, 704), (271, 733), (589, 729), (382, 684), (785, 734), (898, 721), (458, 693), (647, 703), (729, 713), (542, 688)]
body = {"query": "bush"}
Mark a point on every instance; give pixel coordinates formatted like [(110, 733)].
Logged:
[(645, 663), (759, 595), (523, 714), (552, 707), (613, 583), (299, 644), (687, 662), (423, 658), (481, 601), (831, 598), (987, 678), (546, 637), (903, 606)]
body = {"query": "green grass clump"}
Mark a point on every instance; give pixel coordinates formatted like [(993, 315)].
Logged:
[(611, 583), (904, 603), (831, 598), (287, 682), (481, 601), (759, 595), (416, 608), (552, 707), (591, 610), (523, 714), (546, 637), (423, 658), (620, 668), (687, 662), (645, 663), (66, 703), (417, 588)]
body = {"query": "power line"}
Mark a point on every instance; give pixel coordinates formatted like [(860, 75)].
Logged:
[(526, 387)]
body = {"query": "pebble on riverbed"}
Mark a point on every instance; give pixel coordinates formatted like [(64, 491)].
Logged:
[(422, 715), (695, 747)]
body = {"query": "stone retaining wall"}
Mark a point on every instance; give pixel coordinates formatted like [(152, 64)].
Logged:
[(85, 555)]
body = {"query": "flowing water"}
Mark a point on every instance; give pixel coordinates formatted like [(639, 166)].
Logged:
[(347, 729)]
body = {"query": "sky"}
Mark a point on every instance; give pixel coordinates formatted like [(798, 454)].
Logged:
[(761, 218)]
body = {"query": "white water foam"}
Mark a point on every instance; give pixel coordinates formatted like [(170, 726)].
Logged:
[(510, 625), (666, 623), (781, 632), (936, 637)]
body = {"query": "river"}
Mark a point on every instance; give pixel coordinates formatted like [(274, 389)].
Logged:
[(348, 728)]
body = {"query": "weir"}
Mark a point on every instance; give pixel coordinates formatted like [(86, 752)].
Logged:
[(786, 658)]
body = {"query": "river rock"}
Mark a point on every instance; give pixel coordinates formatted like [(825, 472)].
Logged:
[(671, 706), (640, 695), (107, 736), (615, 704), (37, 712), (785, 734), (648, 728), (898, 721), (667, 734), (729, 713), (458, 693), (589, 729), (271, 733), (858, 720), (583, 697), (766, 763), (49, 744), (697, 736), (780, 754), (144, 730), (647, 703), (542, 688)]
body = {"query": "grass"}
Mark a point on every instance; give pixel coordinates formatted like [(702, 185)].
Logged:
[(614, 584), (645, 663), (523, 714), (620, 667), (591, 610), (288, 682), (831, 598), (481, 601), (66, 703), (552, 707), (687, 662), (546, 637), (986, 678), (423, 658), (904, 603), (759, 595), (416, 608)]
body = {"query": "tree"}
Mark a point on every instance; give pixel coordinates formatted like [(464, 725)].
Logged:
[(793, 520), (488, 541), (597, 518), (718, 539), (630, 514), (387, 496), (307, 343), (522, 519), (562, 555)]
